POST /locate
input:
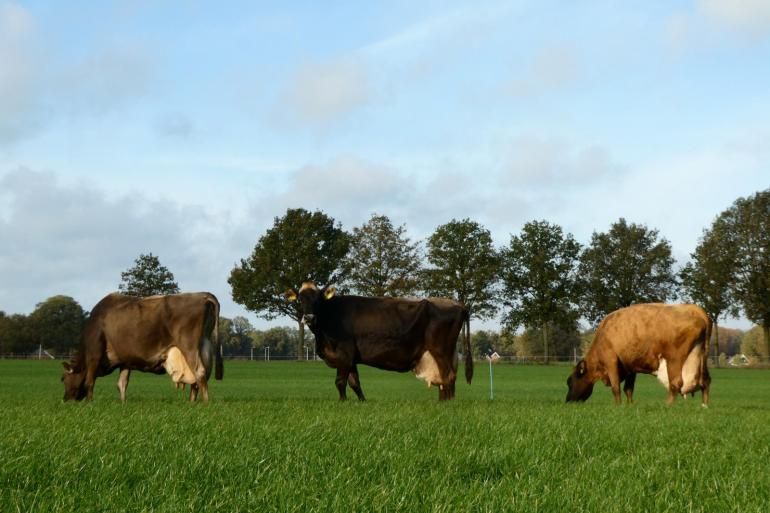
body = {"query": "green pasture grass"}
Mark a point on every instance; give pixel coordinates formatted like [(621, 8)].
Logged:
[(275, 438)]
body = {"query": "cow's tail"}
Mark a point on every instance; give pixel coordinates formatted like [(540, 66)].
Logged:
[(219, 369), (707, 350), (467, 349)]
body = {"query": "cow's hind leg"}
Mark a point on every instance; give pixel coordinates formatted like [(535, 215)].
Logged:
[(193, 392), (628, 387), (355, 383), (204, 388), (342, 382), (123, 383), (675, 382)]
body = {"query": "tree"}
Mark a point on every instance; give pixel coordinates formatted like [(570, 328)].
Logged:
[(301, 246), (242, 328), (464, 266), (16, 334), (752, 344), (147, 278), (485, 342), (707, 279), (539, 281), (382, 261), (57, 323), (629, 264), (564, 341), (747, 225)]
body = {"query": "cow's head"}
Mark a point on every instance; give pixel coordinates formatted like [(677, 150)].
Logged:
[(310, 299), (579, 383), (74, 382)]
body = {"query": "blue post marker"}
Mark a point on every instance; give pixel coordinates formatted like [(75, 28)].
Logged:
[(491, 382)]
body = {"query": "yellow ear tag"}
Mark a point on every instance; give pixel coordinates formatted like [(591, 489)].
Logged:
[(290, 295), (329, 293)]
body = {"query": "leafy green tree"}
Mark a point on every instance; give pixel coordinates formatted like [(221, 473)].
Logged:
[(242, 328), (747, 225), (282, 341), (147, 278), (707, 279), (539, 280), (382, 261), (564, 341), (485, 342), (752, 344), (629, 264), (463, 266), (57, 323), (225, 331), (17, 335), (301, 246)]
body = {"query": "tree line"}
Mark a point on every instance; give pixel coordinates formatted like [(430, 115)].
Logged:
[(542, 283)]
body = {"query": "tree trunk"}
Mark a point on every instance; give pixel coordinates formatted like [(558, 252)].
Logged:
[(766, 332), (716, 341), (301, 341), (545, 343)]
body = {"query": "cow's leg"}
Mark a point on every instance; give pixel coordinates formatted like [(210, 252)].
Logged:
[(628, 387), (342, 382), (91, 368), (204, 388), (613, 376), (675, 382), (123, 383), (355, 383), (193, 392), (705, 386)]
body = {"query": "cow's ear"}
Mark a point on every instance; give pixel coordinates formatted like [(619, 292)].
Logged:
[(67, 367), (329, 292), (581, 368), (290, 295)]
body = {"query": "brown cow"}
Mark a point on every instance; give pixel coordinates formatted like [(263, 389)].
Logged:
[(388, 333), (174, 334), (669, 341)]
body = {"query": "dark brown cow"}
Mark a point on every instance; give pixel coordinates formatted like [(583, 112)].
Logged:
[(388, 333), (669, 341), (174, 334)]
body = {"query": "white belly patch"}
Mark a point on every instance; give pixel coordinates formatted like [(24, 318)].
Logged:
[(176, 367), (427, 369), (690, 371)]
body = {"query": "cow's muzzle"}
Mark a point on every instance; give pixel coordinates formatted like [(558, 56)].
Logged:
[(308, 319)]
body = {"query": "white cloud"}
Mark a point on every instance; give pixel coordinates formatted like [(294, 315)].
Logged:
[(551, 68), (36, 89), (321, 93), (70, 239), (536, 162), (747, 17), (20, 109)]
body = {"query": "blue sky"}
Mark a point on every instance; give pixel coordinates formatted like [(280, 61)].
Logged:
[(184, 128)]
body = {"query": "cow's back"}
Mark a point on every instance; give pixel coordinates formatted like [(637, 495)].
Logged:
[(641, 334), (139, 331)]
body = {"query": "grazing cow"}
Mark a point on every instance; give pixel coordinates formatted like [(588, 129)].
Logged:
[(174, 334), (387, 333), (669, 341)]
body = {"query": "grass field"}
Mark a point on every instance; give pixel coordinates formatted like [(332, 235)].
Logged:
[(275, 438)]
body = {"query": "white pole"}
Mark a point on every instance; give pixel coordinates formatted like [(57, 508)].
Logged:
[(252, 352), (40, 352), (307, 354)]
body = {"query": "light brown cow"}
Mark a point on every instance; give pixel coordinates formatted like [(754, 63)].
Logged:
[(668, 341)]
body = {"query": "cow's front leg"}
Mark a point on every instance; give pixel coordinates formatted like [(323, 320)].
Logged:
[(123, 383), (614, 378), (355, 383), (342, 382)]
